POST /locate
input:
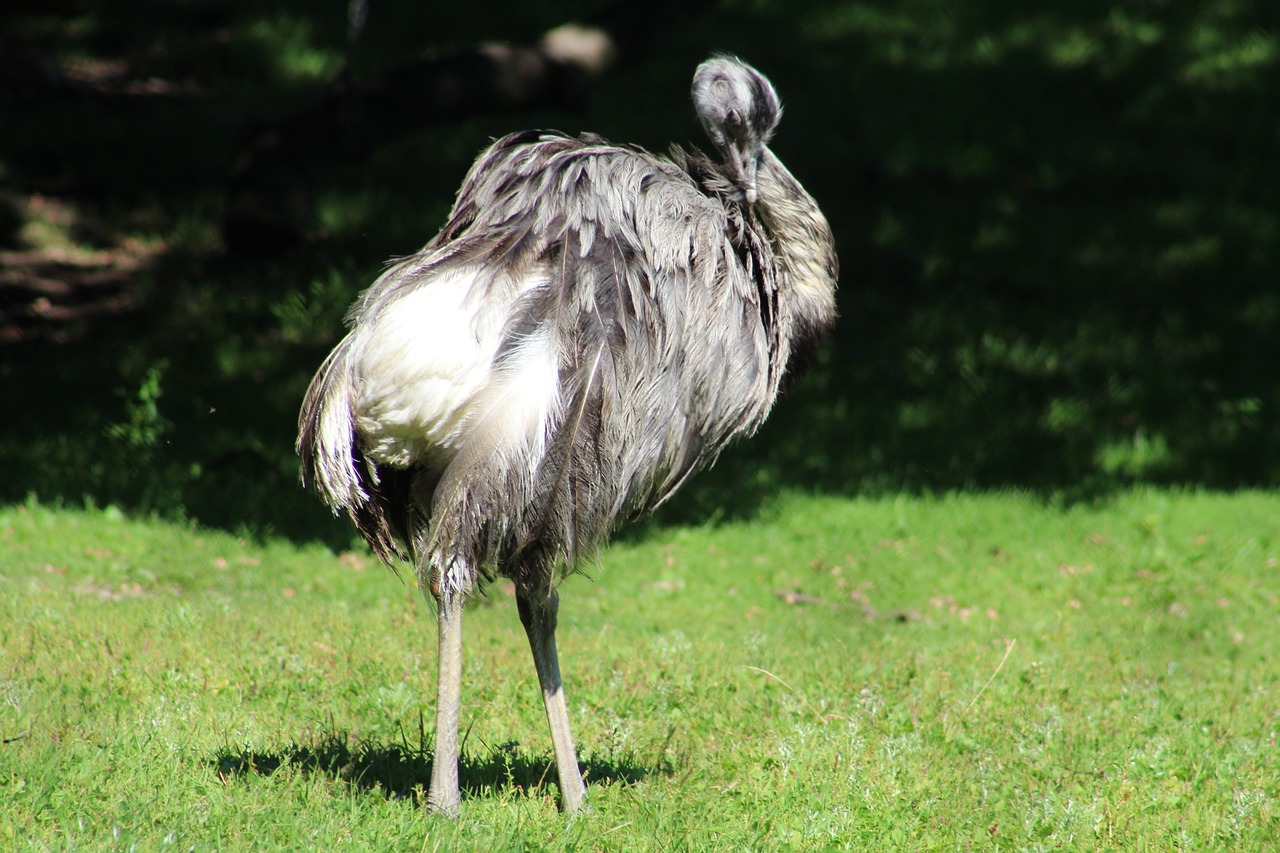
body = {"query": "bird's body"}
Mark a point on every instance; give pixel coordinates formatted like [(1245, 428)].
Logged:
[(592, 325)]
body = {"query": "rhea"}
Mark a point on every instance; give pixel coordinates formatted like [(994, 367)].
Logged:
[(593, 324)]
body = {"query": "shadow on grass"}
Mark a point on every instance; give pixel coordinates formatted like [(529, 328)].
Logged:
[(401, 771)]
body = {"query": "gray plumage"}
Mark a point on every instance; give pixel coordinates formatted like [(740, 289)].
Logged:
[(592, 325)]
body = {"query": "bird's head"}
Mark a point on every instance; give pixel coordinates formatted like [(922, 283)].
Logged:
[(739, 110)]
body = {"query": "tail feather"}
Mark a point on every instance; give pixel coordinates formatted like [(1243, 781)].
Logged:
[(325, 434), (333, 464)]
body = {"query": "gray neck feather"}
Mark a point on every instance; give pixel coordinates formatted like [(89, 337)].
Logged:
[(802, 242)]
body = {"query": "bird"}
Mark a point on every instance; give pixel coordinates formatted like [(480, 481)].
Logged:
[(593, 324)]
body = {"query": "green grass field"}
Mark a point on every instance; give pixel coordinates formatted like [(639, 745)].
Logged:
[(1060, 232), (951, 673)]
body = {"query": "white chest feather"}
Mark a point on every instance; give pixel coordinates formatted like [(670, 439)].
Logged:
[(426, 382)]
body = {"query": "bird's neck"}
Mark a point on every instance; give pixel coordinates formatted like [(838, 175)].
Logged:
[(802, 243)]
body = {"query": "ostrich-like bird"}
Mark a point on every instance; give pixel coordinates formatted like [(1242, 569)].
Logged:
[(592, 325)]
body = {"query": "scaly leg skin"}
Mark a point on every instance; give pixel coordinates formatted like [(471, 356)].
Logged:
[(443, 798), (538, 610)]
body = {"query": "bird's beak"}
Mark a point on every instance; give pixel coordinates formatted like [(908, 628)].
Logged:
[(749, 167)]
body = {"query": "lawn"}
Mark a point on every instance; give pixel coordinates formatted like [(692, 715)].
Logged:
[(992, 577), (929, 673)]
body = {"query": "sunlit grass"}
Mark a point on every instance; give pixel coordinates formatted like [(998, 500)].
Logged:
[(1057, 238), (901, 673)]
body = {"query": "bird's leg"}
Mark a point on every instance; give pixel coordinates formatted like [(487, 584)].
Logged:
[(443, 798), (538, 608)]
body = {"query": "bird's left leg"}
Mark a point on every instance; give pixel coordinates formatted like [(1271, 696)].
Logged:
[(538, 608), (444, 797)]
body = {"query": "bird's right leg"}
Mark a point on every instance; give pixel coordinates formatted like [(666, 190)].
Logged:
[(538, 609), (444, 798)]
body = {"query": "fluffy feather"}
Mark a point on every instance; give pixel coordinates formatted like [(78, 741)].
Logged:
[(592, 324)]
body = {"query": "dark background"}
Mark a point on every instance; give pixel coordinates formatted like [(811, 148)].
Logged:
[(1057, 223)]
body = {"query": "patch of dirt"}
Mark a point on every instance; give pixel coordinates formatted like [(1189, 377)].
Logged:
[(54, 287)]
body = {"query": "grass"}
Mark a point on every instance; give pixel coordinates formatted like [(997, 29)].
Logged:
[(1058, 235), (939, 673)]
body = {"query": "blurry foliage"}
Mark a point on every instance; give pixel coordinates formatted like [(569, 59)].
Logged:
[(1058, 231)]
